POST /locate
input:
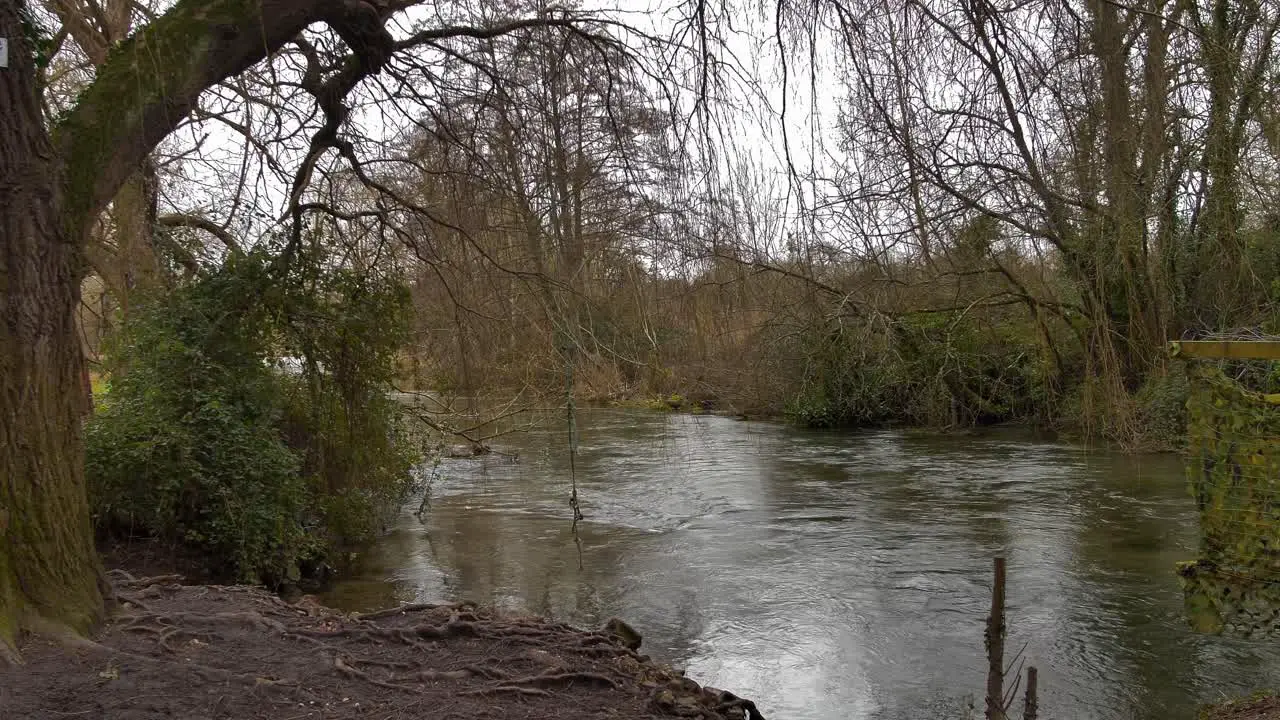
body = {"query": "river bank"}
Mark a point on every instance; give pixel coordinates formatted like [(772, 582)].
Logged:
[(1260, 706), (1166, 439), (824, 574), (209, 651)]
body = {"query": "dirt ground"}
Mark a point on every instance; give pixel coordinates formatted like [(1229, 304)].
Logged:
[(205, 651), (1257, 708)]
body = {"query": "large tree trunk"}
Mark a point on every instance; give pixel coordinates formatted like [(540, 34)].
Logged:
[(51, 188), (131, 270), (136, 270), (49, 570), (1122, 260)]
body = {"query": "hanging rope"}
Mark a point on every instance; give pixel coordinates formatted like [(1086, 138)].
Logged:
[(571, 412), (572, 416)]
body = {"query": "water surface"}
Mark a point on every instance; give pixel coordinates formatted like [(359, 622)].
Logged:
[(834, 575)]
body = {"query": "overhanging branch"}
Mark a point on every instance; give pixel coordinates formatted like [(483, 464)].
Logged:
[(151, 82), (199, 223)]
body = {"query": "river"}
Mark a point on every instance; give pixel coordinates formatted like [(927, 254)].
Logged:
[(833, 575)]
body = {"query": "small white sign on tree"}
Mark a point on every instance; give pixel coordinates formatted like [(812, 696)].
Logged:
[(4, 52)]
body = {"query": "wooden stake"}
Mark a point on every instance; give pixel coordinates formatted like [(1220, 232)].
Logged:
[(995, 646), (1031, 705)]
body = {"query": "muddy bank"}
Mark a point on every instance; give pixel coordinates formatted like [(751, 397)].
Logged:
[(1263, 706), (206, 651)]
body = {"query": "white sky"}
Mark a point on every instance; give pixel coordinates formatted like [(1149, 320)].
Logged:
[(750, 127)]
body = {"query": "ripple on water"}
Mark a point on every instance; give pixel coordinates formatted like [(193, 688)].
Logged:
[(831, 575)]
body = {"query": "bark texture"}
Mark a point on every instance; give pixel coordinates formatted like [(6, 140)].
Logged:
[(135, 272), (49, 571), (130, 268)]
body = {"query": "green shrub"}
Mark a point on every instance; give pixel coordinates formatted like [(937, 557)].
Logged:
[(932, 369), (203, 441), (1162, 408), (186, 445)]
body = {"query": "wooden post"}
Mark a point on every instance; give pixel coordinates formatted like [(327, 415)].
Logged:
[(995, 646), (1031, 705)]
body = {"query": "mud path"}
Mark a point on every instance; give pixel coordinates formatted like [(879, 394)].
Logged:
[(204, 651)]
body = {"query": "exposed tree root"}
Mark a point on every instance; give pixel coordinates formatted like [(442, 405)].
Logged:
[(412, 608), (426, 676), (128, 599), (348, 670), (250, 618), (58, 633), (9, 657), (519, 690), (123, 579), (559, 679), (207, 651)]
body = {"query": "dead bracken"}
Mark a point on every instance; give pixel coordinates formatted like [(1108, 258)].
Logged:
[(208, 651)]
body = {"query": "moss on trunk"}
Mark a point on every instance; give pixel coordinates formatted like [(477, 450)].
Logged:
[(49, 571)]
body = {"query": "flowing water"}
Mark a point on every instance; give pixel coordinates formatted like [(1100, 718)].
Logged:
[(834, 575)]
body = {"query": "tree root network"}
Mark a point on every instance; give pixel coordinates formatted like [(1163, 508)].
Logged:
[(176, 650)]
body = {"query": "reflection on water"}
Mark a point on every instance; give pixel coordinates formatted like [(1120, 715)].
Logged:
[(830, 575)]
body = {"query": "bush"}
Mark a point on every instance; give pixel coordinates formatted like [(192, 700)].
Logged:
[(185, 445), (1162, 408), (934, 369), (356, 451), (203, 441)]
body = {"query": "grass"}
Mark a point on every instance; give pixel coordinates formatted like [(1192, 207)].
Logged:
[(99, 384)]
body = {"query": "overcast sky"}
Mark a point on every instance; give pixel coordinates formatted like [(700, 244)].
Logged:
[(748, 127)]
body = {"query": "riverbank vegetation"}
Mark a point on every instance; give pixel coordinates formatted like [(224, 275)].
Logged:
[(206, 438), (954, 262), (982, 248)]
